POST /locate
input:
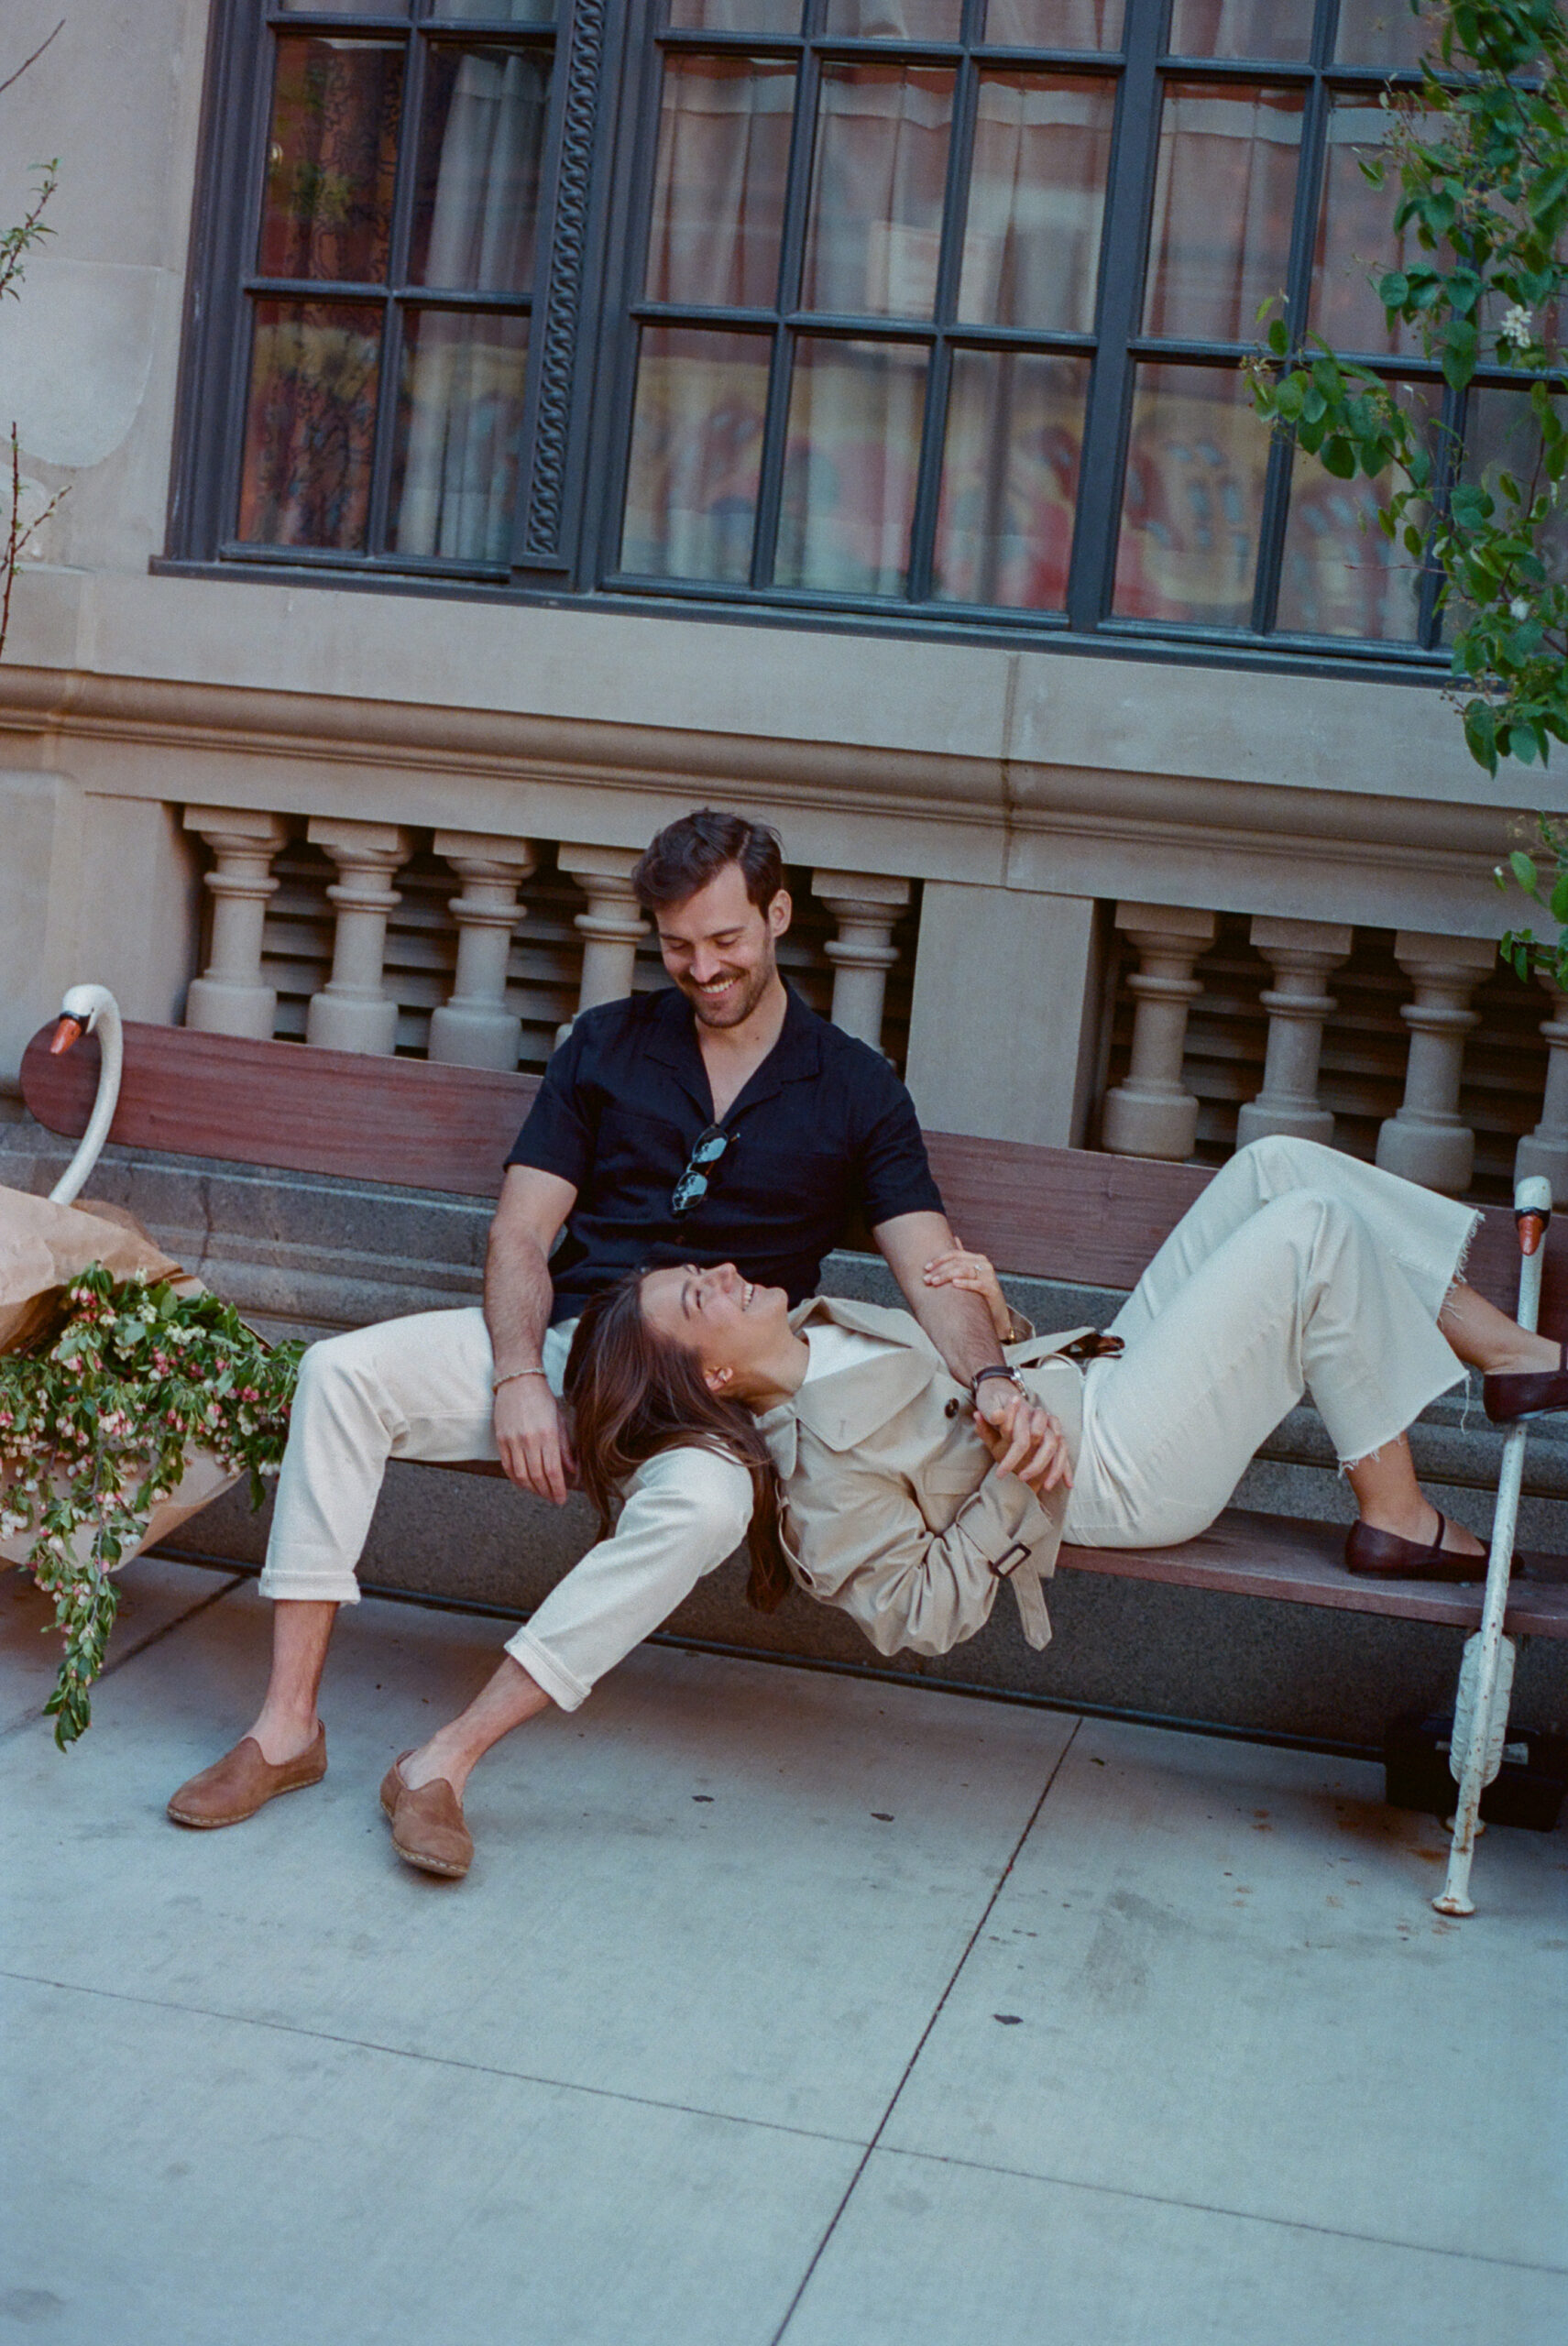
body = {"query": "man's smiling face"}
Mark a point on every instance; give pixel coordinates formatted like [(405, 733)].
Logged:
[(718, 948)]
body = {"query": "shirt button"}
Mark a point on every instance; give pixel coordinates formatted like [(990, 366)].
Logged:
[(952, 1408)]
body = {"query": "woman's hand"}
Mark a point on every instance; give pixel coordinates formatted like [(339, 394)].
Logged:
[(975, 1273), (1029, 1443)]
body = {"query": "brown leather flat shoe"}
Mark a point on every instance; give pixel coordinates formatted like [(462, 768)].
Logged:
[(1526, 1392), (1382, 1555), (243, 1781), (428, 1830)]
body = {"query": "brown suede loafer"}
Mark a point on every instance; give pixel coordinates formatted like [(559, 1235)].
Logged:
[(239, 1783), (1525, 1393), (1382, 1555), (428, 1830)]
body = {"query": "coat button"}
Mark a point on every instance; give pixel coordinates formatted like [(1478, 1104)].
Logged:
[(953, 1407)]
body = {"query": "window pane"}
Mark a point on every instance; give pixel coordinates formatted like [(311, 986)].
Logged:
[(476, 196), (1054, 24), (854, 447), (1383, 32), (876, 197), (1340, 574), (309, 424), (1355, 238), (1194, 495), (1501, 436), (696, 444), (1281, 28), (894, 19), (333, 152), (344, 7), (736, 15), (497, 12), (1226, 182), (719, 187), (1010, 479), (1042, 155), (459, 412)]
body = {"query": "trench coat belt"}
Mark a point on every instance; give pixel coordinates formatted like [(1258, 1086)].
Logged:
[(1018, 1569)]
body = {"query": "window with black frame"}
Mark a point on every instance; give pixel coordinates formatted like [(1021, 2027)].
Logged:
[(387, 309), (934, 308)]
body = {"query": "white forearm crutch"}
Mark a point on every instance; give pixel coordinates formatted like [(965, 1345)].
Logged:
[(1485, 1677)]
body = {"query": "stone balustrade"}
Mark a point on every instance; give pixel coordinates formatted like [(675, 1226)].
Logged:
[(1152, 1111)]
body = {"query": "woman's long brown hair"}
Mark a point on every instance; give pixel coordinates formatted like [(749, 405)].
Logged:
[(634, 1393)]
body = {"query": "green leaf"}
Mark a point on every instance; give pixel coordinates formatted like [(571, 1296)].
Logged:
[(1395, 289), (1278, 338), (1339, 458)]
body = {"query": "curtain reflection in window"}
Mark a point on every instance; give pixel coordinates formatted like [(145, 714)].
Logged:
[(1054, 24), (497, 12), (1384, 32), (1356, 239), (736, 15), (476, 197), (332, 154), (1281, 28), (718, 188), (1194, 494), (697, 443), (849, 466), (1037, 198), (309, 424), (1010, 479), (893, 19), (877, 189), (459, 412), (1223, 196)]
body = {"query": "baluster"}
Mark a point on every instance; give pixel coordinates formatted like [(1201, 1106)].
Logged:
[(230, 997), (1426, 1141), (611, 928), (867, 907), (1300, 953), (1152, 1113), (474, 1027), (1545, 1150), (352, 1012)]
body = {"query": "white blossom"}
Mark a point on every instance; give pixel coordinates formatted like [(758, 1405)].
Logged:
[(1518, 608), (1517, 326)]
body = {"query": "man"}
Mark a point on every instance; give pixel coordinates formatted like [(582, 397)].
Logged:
[(719, 1120)]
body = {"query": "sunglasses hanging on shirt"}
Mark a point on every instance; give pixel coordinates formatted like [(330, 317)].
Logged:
[(692, 1186)]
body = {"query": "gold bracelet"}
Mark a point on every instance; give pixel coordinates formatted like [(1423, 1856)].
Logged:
[(512, 1375)]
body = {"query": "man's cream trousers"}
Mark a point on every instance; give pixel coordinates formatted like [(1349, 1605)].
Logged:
[(420, 1388), (1297, 1268)]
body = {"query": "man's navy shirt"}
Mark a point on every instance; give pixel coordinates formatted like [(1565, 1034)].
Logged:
[(823, 1128)]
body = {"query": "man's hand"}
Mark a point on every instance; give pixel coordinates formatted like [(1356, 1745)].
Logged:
[(1023, 1437), (531, 1436)]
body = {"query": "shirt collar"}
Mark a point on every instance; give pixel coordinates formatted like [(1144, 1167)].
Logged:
[(797, 1056)]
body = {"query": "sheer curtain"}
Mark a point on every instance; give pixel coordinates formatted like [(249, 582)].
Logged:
[(718, 195), (463, 374), (1224, 195), (1037, 198)]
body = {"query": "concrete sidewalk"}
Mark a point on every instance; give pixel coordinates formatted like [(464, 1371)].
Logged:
[(778, 2006)]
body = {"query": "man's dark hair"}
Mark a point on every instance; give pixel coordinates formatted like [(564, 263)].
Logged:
[(684, 856)]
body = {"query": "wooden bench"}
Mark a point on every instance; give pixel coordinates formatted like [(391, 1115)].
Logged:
[(1055, 1214)]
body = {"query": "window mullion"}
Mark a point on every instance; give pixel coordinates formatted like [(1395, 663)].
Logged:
[(949, 273), (1125, 236), (791, 258), (1309, 180), (403, 187)]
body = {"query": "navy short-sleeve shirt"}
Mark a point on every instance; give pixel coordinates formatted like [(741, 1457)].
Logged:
[(823, 1129)]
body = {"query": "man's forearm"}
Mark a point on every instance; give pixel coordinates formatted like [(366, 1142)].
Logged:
[(960, 1326), (518, 1297)]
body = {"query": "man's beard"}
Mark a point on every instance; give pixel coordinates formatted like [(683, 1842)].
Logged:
[(737, 1007)]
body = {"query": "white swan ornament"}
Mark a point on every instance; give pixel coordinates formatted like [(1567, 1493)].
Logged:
[(90, 1010)]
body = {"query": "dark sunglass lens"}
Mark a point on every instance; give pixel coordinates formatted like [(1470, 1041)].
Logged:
[(710, 1148)]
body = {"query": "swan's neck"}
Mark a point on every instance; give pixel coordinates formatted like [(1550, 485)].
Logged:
[(111, 1055)]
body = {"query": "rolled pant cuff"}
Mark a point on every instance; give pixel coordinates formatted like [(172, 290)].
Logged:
[(568, 1692), (290, 1587)]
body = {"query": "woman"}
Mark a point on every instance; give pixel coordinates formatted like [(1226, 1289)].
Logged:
[(1298, 1268)]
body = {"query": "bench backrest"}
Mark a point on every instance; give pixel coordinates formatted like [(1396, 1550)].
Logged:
[(1059, 1213)]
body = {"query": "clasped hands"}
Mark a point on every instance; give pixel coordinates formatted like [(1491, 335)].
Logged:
[(1024, 1437)]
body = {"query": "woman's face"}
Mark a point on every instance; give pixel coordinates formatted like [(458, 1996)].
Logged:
[(732, 1324)]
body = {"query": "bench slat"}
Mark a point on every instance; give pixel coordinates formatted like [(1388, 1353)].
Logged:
[(1303, 1564), (1057, 1213)]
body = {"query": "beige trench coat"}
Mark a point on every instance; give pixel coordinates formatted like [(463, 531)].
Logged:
[(891, 1511)]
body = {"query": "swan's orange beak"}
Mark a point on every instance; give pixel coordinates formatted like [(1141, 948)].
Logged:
[(69, 1031)]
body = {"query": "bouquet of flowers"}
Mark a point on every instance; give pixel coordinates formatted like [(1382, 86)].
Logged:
[(139, 1399)]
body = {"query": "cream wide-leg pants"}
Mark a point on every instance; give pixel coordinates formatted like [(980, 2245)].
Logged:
[(420, 1388), (1298, 1269)]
